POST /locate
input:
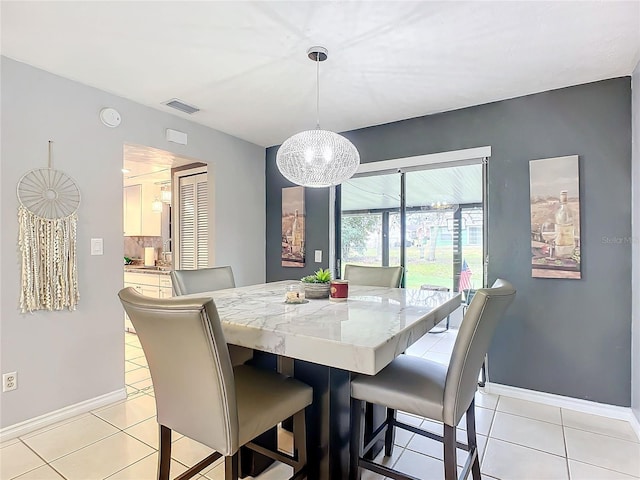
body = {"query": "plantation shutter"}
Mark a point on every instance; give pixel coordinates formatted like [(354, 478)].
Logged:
[(202, 225), (193, 219)]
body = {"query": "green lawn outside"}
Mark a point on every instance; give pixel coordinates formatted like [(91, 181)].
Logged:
[(421, 271)]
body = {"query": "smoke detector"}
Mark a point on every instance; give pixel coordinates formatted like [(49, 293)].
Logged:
[(110, 117)]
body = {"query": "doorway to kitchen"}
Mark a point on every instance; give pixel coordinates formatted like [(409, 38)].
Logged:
[(158, 214)]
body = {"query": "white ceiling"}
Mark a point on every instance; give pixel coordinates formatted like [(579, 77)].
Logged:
[(149, 165), (244, 63)]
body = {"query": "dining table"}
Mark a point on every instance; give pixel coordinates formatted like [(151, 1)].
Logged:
[(326, 343)]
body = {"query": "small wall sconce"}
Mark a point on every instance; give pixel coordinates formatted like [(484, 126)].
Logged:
[(156, 206), (165, 194)]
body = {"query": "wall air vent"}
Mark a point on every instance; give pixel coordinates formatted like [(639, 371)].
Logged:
[(180, 105)]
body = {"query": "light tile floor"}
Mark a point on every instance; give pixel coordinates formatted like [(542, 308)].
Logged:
[(517, 439)]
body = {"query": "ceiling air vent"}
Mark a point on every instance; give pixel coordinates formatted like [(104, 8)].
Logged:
[(180, 105)]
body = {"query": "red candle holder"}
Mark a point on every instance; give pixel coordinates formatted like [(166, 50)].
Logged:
[(339, 290)]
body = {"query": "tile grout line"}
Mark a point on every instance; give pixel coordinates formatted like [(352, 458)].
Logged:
[(73, 451), (525, 446), (631, 477), (137, 461), (600, 433), (583, 429), (52, 426), (566, 450), (39, 466), (531, 418), (113, 425), (486, 446), (120, 430), (83, 446)]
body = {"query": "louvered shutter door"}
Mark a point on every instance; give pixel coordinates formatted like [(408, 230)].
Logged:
[(193, 222), (202, 225), (187, 224)]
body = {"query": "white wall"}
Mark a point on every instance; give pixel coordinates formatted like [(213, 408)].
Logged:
[(635, 279), (63, 358)]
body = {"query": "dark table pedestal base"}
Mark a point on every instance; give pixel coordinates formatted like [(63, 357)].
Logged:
[(328, 423)]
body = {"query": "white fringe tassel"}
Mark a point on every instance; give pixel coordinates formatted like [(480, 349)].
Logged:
[(49, 268)]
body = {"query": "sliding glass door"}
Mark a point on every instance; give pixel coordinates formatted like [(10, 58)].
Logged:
[(371, 213), (429, 219)]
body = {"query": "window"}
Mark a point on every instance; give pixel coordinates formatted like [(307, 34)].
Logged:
[(475, 235)]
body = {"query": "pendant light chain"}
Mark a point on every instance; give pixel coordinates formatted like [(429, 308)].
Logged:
[(318, 90)]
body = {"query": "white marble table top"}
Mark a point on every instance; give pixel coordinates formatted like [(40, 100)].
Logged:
[(363, 334)]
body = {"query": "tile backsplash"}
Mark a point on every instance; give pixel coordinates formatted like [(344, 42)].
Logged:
[(134, 246)]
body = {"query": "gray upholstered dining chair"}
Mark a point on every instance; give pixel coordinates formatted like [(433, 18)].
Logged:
[(186, 282), (428, 389), (199, 394), (373, 276)]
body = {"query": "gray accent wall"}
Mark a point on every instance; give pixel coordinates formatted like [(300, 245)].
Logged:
[(316, 226), (635, 353), (64, 358), (566, 337)]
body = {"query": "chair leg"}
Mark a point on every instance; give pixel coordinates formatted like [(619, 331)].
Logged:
[(300, 441), (450, 463), (472, 440), (164, 456), (483, 374), (442, 330), (357, 438), (231, 467), (390, 434)]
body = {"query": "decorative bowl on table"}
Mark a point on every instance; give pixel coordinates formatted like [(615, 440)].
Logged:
[(316, 290)]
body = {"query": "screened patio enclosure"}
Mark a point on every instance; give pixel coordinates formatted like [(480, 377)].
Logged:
[(429, 219)]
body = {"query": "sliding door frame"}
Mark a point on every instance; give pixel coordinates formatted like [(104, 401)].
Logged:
[(472, 156)]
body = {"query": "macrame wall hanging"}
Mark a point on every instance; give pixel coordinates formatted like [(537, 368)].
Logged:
[(47, 216)]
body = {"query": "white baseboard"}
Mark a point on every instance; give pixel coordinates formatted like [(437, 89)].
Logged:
[(635, 424), (585, 406), (22, 428)]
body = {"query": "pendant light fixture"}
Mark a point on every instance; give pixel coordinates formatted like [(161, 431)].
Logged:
[(165, 193), (156, 206), (317, 158)]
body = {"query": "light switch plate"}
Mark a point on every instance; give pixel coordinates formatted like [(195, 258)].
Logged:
[(97, 246), (318, 256)]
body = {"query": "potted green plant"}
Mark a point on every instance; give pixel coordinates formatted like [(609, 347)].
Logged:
[(317, 285)]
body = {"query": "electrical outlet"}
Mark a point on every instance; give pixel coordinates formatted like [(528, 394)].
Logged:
[(9, 381)]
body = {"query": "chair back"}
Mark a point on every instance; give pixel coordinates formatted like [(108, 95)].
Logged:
[(373, 276), (186, 282), (472, 343), (190, 367)]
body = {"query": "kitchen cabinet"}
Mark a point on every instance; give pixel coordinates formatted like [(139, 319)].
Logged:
[(165, 290), (132, 210), (155, 285), (139, 219)]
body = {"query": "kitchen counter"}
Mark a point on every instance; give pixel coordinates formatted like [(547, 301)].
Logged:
[(143, 269)]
